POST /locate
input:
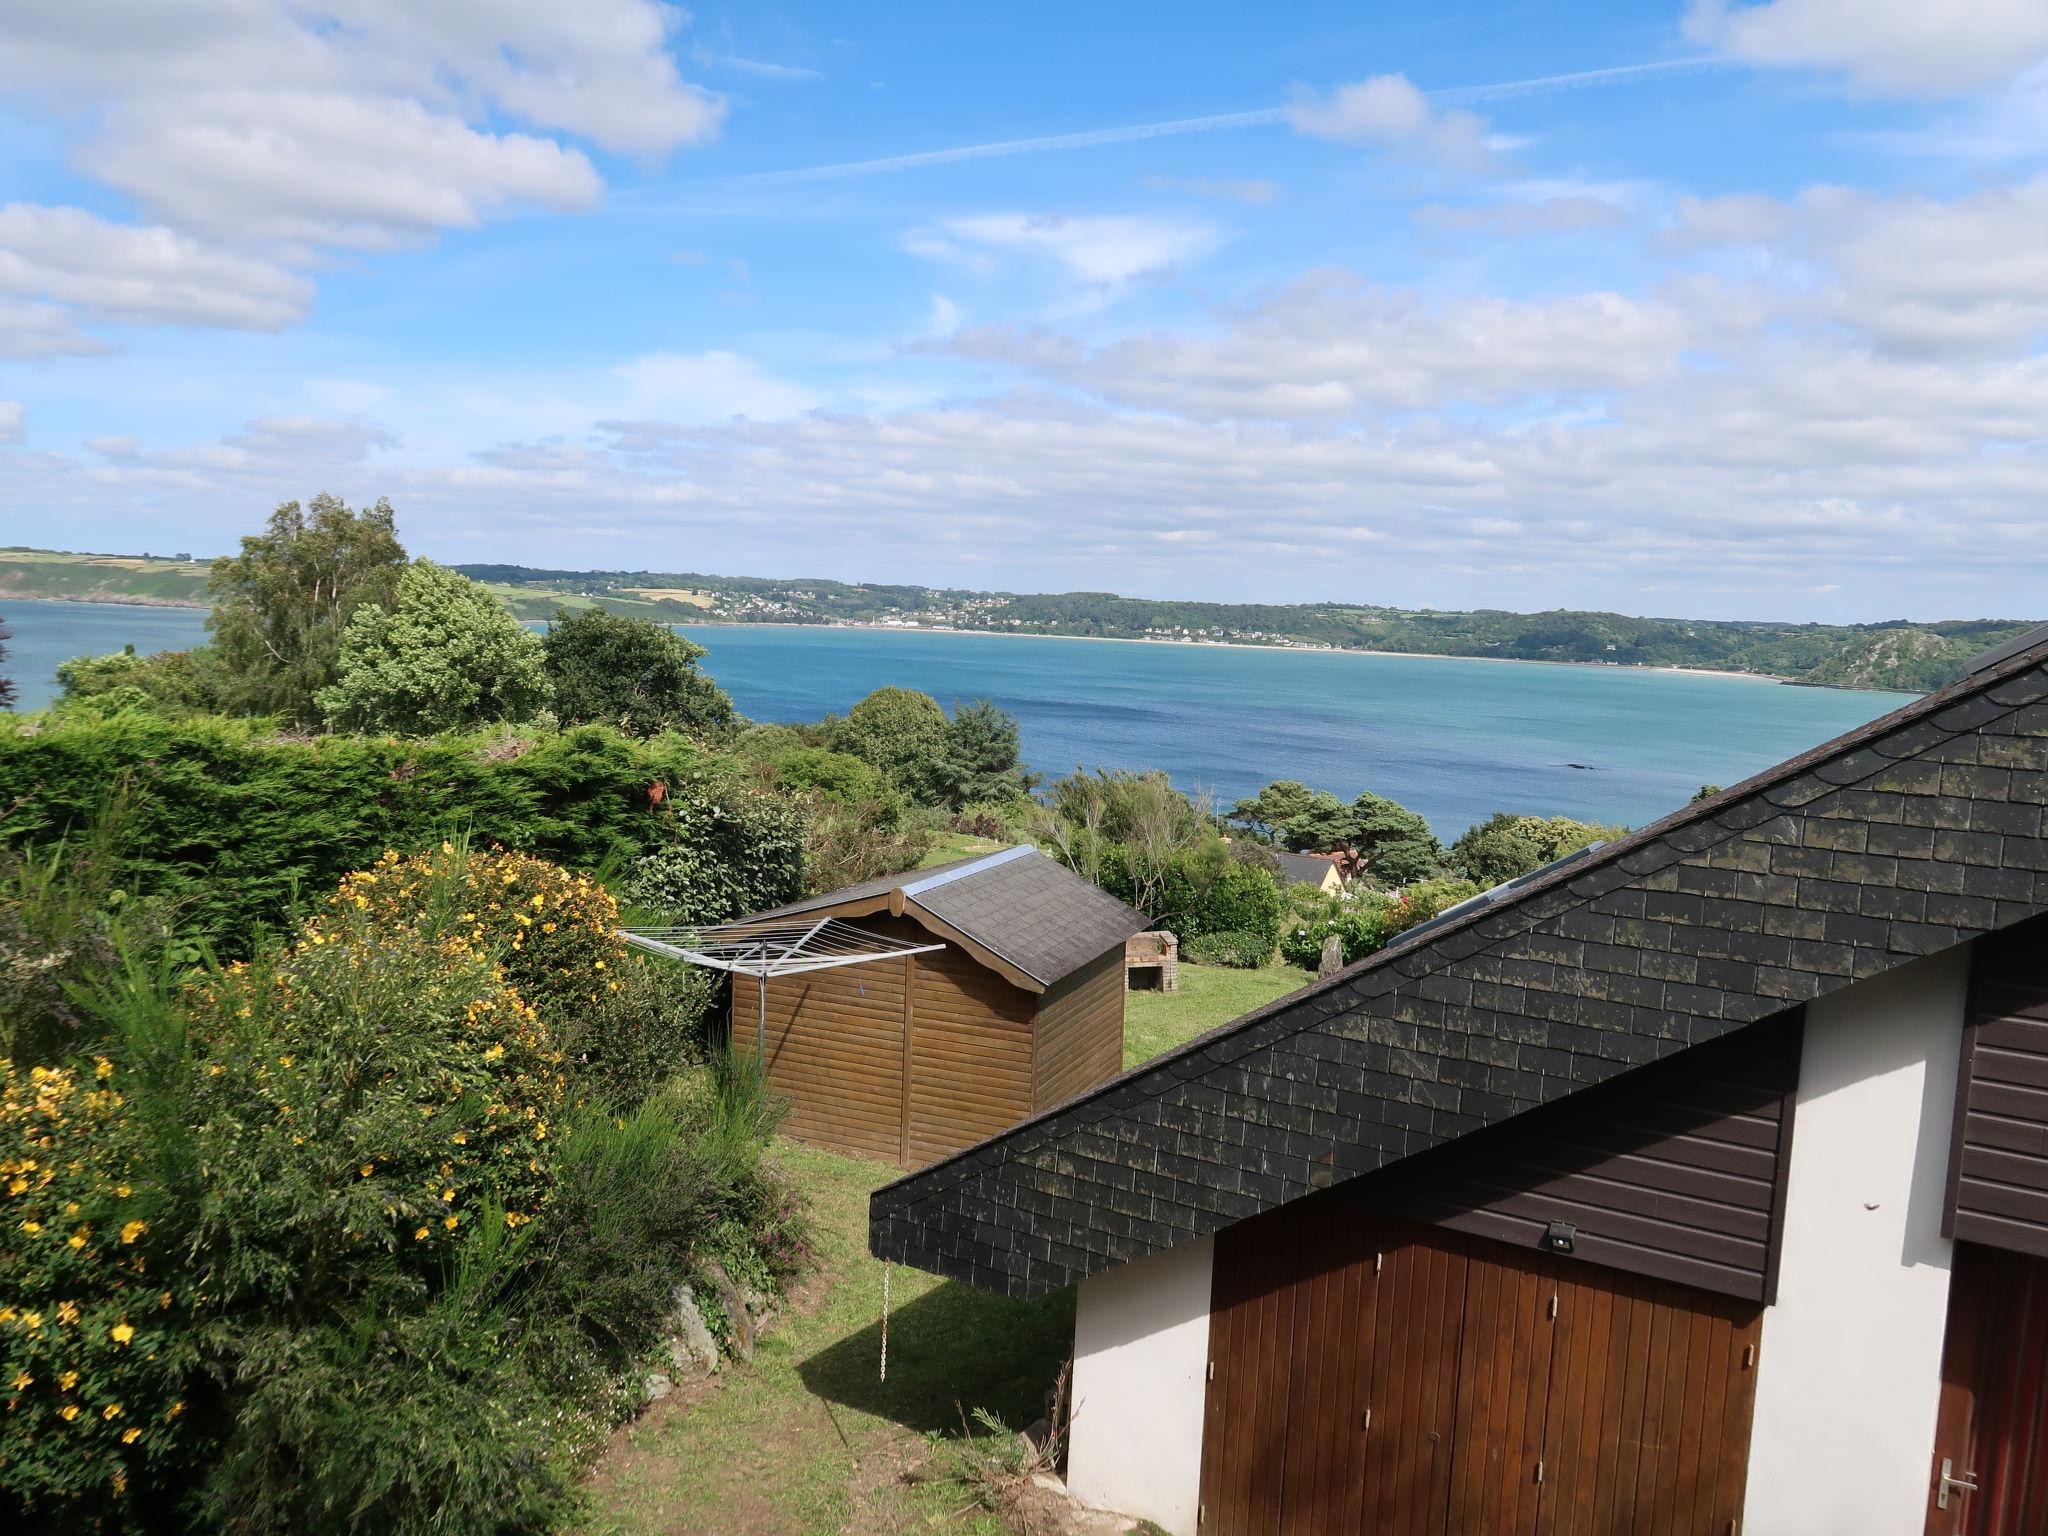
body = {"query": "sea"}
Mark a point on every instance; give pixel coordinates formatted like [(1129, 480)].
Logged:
[(1455, 739)]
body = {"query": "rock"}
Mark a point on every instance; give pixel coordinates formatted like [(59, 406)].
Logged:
[(690, 1344), (657, 1386), (736, 1312), (1332, 958)]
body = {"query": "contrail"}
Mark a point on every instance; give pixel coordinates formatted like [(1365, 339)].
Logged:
[(1620, 74)]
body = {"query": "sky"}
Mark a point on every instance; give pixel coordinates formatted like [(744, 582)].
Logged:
[(1694, 308)]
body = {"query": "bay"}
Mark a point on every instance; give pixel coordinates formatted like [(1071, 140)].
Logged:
[(1456, 739)]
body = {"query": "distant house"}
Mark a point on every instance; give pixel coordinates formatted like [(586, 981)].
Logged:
[(911, 1058), (1699, 1184), (1317, 869)]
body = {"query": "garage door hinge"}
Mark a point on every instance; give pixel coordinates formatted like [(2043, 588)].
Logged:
[(1748, 1356), (1539, 1472), (1553, 1306), (1377, 1260), (1212, 1370), (1368, 1420)]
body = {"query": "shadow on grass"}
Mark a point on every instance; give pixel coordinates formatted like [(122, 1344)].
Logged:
[(952, 1345)]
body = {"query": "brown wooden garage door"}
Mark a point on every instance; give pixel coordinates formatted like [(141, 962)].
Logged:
[(1369, 1375)]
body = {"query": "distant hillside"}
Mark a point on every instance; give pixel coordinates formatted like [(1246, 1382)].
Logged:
[(172, 582), (1890, 655)]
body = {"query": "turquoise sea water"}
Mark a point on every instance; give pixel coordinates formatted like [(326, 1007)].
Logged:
[(1455, 739)]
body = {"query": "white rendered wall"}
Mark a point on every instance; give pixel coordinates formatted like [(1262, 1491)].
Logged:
[(1141, 1355), (1849, 1368)]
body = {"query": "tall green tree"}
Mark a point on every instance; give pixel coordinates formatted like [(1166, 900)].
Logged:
[(980, 764), (1265, 813), (632, 673), (280, 606), (900, 731), (445, 656), (1506, 846)]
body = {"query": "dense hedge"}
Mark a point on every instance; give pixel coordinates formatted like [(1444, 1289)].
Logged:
[(1200, 893), (238, 821)]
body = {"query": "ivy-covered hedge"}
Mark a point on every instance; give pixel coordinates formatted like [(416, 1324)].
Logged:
[(237, 821)]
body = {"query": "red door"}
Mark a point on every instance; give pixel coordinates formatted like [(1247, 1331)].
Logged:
[(1990, 1472)]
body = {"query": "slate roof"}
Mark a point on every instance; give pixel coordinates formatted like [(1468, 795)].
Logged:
[(1909, 835), (1033, 911), (1305, 868)]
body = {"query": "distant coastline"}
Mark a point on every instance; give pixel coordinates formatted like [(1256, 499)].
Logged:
[(1244, 645)]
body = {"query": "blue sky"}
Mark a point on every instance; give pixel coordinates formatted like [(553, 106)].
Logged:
[(1686, 308)]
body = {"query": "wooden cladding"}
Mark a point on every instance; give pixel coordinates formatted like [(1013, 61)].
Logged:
[(1080, 1032), (1991, 1434), (1998, 1162), (1371, 1375), (1675, 1171), (910, 1060)]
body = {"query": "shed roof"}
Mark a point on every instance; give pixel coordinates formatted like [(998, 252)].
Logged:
[(1026, 909), (1914, 833)]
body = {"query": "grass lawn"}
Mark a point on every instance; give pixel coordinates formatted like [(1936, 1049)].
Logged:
[(806, 1439), (1209, 995), (957, 845)]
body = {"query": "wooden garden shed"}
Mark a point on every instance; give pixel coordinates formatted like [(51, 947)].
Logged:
[(912, 1057)]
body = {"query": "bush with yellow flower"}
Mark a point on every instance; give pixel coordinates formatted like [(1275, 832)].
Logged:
[(95, 1346), (552, 931)]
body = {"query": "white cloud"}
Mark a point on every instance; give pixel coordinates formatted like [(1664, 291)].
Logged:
[(1913, 47), (279, 129), (328, 170), (1387, 112), (10, 421), (141, 275), (1332, 346), (1101, 250), (38, 332), (708, 387)]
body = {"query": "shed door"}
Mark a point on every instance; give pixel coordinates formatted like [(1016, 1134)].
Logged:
[(1991, 1439), (1374, 1376)]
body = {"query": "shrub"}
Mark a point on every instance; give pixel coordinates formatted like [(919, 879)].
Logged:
[(632, 673), (236, 821), (901, 732), (554, 934), (1231, 947), (729, 852), (94, 1349), (1426, 899), (1506, 846), (660, 1019), (846, 844), (1200, 892), (1362, 926), (443, 655)]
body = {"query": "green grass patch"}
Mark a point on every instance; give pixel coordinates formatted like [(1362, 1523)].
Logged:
[(958, 845), (807, 1438), (1155, 1022)]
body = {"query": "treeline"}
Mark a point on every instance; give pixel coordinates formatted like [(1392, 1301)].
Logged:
[(1889, 654)]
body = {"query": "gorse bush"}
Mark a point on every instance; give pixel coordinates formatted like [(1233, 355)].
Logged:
[(339, 1239), (554, 934), (95, 1338)]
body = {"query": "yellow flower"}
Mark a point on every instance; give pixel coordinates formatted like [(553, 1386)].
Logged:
[(447, 1194), (102, 1068), (111, 1411), (16, 1185), (166, 1300), (67, 1381), (460, 1138), (124, 1191), (67, 1312), (133, 1230), (122, 1332), (368, 1170), (31, 1227), (421, 1235), (32, 1319), (450, 1222), (175, 1409), (68, 1412), (130, 1436), (22, 1379), (494, 1053), (77, 1239)]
